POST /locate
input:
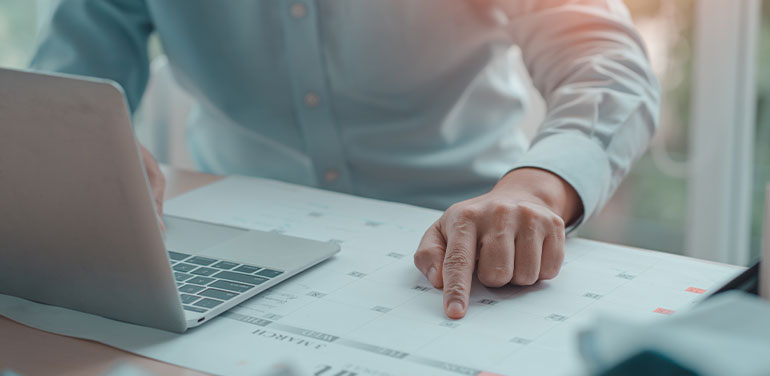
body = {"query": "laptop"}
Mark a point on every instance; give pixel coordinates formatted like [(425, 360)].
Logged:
[(78, 225)]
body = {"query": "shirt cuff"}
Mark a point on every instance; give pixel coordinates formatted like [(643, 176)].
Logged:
[(577, 159)]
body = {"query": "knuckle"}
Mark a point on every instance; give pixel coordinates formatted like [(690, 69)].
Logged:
[(550, 272), (551, 269), (524, 278), (496, 238), (467, 212), (526, 211), (455, 288), (561, 236), (527, 216), (425, 255), (496, 277), (557, 222), (420, 252), (502, 209), (457, 261), (418, 256)]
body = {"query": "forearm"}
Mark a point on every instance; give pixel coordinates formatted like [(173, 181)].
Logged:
[(602, 99), (99, 38)]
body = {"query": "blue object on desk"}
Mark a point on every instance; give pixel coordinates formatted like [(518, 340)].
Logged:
[(649, 362), (726, 335)]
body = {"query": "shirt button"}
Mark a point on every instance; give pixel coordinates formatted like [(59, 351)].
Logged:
[(298, 10), (331, 175), (311, 99)]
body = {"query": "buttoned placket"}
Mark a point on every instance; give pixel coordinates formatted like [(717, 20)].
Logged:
[(310, 94)]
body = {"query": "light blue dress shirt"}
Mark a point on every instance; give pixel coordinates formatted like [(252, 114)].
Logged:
[(415, 101)]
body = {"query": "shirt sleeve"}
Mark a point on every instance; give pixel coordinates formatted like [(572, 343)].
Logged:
[(99, 38), (602, 99)]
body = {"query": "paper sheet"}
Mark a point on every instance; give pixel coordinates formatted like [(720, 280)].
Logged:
[(368, 311)]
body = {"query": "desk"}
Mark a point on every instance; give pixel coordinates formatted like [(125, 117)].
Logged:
[(30, 351), (616, 275)]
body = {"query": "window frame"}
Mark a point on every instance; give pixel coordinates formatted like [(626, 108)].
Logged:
[(721, 159)]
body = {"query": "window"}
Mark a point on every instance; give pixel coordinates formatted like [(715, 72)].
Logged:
[(762, 133), (649, 209)]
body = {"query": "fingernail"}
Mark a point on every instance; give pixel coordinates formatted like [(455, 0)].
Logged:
[(432, 275), (455, 310)]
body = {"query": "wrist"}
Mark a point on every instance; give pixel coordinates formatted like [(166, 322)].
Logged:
[(544, 187)]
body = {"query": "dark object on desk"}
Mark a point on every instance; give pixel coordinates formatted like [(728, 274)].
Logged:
[(648, 363), (748, 281)]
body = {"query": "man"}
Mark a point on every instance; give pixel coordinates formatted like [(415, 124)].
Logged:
[(404, 100)]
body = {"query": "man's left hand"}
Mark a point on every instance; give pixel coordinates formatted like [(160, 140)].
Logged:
[(515, 233)]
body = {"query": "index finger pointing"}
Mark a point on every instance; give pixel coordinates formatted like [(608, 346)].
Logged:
[(458, 268)]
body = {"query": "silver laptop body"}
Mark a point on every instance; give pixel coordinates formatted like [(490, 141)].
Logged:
[(78, 227)]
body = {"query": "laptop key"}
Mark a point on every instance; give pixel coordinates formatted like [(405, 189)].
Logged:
[(219, 294), (224, 265), (187, 299), (204, 271), (191, 289), (269, 273), (247, 269), (208, 303), (231, 286), (201, 280), (181, 277), (205, 261), (194, 309), (240, 277), (176, 256), (182, 267)]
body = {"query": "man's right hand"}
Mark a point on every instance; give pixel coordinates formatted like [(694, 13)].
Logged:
[(157, 181)]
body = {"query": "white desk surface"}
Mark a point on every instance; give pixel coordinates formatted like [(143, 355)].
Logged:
[(30, 351)]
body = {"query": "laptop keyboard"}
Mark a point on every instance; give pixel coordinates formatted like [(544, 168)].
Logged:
[(205, 283)]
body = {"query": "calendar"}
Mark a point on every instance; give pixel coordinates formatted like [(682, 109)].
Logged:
[(369, 312)]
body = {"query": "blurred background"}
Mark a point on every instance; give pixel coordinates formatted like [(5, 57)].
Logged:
[(655, 207)]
